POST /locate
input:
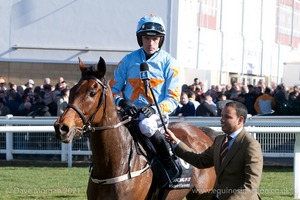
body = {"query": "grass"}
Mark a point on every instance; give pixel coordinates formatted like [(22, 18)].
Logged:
[(70, 183), (43, 183), (277, 183)]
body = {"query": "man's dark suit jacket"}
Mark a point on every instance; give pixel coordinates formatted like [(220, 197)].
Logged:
[(239, 175)]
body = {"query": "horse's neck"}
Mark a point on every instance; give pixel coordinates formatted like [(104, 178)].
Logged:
[(110, 151), (111, 147)]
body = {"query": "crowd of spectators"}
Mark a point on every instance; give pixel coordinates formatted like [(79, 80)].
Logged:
[(259, 99), (36, 100), (32, 100), (51, 99)]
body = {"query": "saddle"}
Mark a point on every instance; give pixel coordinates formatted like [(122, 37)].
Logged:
[(145, 148)]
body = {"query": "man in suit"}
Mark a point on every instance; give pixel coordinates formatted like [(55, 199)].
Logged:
[(239, 171), (206, 107)]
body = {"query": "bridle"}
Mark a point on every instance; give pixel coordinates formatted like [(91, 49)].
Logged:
[(87, 122)]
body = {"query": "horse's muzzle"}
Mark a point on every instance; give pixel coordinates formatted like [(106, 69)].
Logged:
[(62, 131)]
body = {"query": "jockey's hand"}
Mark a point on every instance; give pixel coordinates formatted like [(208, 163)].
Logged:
[(128, 107), (147, 111)]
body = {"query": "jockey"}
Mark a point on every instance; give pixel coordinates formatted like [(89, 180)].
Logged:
[(129, 93)]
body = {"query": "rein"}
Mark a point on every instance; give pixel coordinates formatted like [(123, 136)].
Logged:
[(88, 128), (111, 126)]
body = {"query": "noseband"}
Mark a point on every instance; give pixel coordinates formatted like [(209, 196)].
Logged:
[(87, 127)]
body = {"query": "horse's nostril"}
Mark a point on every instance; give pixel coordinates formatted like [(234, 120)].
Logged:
[(63, 129)]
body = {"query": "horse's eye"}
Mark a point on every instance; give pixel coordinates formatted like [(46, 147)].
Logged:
[(92, 93)]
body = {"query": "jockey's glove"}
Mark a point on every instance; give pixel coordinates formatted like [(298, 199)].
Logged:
[(147, 111), (128, 107)]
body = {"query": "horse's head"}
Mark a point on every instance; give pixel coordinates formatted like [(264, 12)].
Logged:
[(85, 103)]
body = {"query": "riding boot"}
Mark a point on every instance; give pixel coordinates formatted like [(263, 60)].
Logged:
[(163, 150)]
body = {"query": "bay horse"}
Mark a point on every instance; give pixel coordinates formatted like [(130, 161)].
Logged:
[(118, 172)]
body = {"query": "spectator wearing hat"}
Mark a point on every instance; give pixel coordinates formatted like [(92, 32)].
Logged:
[(30, 83)]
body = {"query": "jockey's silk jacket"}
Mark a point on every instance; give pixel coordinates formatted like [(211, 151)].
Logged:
[(164, 79)]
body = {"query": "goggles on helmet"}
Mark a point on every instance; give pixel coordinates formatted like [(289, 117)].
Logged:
[(152, 26)]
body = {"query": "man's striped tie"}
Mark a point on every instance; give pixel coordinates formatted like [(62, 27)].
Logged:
[(224, 147)]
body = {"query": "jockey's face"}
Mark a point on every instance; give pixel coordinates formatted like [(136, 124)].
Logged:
[(150, 43)]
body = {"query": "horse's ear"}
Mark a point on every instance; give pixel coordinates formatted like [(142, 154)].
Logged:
[(82, 66), (101, 67)]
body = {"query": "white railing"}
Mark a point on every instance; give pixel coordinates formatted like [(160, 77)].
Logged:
[(20, 135)]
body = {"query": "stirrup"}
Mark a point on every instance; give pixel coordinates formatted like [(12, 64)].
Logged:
[(175, 171)]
